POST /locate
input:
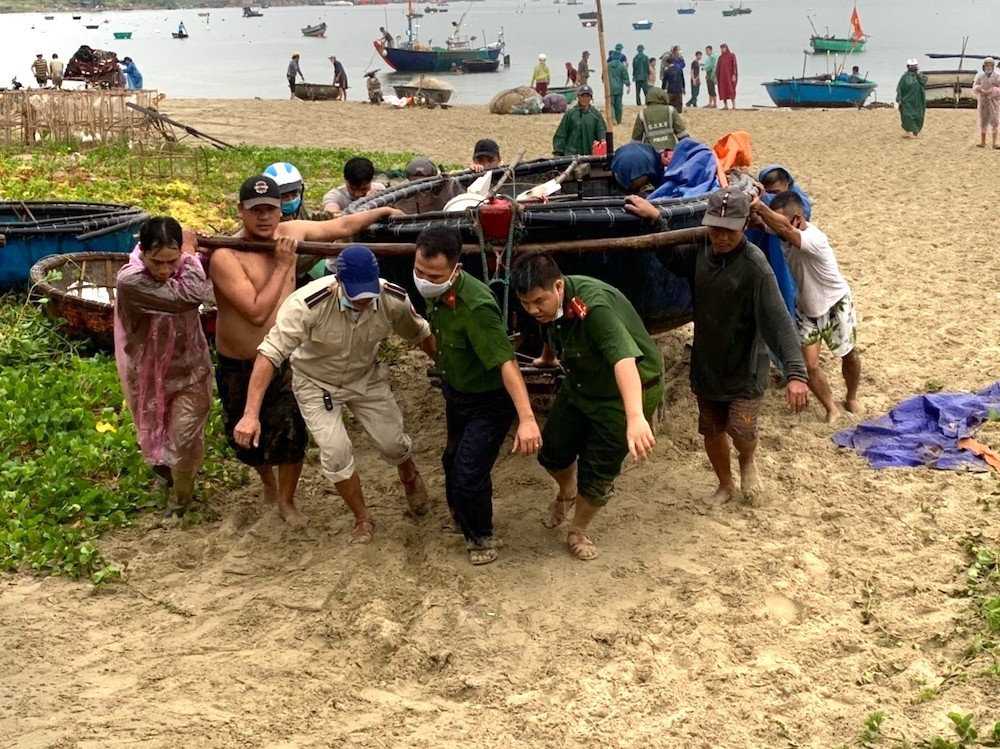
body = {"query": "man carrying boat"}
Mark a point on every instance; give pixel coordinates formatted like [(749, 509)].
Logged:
[(737, 308), (613, 385), (911, 98), (482, 384), (249, 288), (580, 127), (358, 175), (328, 335)]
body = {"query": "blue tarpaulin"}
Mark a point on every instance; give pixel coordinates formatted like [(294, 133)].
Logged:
[(924, 431), (692, 171)]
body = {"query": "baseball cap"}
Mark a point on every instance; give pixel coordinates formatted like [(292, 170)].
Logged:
[(486, 147), (585, 90), (260, 190), (357, 271), (912, 62), (421, 167), (728, 208)]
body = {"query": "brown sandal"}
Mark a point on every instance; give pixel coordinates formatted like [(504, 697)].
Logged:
[(485, 552), (582, 547), (363, 533), (416, 495), (557, 512)]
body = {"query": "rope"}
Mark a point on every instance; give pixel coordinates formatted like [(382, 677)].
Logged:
[(502, 274)]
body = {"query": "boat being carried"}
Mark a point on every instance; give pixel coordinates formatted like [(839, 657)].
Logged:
[(412, 56), (840, 44), (318, 31), (737, 10), (819, 92)]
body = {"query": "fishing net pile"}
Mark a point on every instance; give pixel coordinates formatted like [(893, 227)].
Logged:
[(520, 98), (89, 63)]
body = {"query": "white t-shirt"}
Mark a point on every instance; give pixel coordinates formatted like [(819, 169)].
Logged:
[(816, 273), (342, 198)]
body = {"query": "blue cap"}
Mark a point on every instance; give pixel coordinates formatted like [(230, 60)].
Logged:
[(357, 271)]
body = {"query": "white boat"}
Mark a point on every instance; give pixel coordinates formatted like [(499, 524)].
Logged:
[(339, 3)]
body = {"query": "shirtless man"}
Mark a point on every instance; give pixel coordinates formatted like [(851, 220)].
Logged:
[(249, 288)]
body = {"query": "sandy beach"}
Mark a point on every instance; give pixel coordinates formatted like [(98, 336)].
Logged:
[(736, 628)]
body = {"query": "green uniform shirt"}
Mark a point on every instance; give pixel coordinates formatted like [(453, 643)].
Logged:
[(472, 340), (589, 339)]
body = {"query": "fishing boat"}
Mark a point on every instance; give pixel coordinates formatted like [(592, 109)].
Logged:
[(686, 10), (122, 34), (737, 10), (643, 25), (76, 18), (818, 92), (583, 225), (568, 91), (34, 230), (481, 66), (319, 30), (950, 89), (412, 56), (177, 35), (318, 92), (426, 88), (92, 26), (590, 15), (249, 12), (49, 18), (840, 44)]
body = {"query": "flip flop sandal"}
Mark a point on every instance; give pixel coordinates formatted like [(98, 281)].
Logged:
[(581, 546), (557, 512), (483, 553), (363, 533), (416, 495)]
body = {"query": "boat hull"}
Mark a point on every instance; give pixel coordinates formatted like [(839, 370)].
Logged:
[(642, 26), (481, 66), (439, 95), (317, 92), (823, 44), (685, 11), (317, 31), (818, 94), (122, 34), (435, 60)]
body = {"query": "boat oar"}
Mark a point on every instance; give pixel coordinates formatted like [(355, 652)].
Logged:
[(507, 174), (539, 192), (655, 241)]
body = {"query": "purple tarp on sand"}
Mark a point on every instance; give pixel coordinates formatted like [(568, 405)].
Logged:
[(924, 431)]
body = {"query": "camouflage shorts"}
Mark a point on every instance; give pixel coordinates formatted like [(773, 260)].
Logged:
[(838, 328)]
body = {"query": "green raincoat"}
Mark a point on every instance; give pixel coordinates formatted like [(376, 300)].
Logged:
[(577, 131), (912, 101), (618, 78), (640, 73)]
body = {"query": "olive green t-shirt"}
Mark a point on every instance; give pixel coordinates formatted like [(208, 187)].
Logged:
[(472, 340), (600, 327)]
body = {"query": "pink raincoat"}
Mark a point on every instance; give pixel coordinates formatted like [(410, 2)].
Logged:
[(163, 360), (987, 88)]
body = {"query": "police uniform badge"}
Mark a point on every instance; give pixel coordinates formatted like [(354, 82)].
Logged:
[(576, 309)]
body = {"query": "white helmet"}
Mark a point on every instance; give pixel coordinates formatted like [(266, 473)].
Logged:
[(286, 175), (542, 57)]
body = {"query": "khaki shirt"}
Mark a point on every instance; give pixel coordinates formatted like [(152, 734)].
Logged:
[(327, 345)]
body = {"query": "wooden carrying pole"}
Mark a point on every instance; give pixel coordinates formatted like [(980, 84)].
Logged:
[(656, 241), (604, 65)]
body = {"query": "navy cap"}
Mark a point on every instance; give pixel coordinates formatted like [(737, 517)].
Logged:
[(357, 271)]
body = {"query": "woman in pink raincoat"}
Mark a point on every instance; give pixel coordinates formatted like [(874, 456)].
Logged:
[(162, 355), (986, 87)]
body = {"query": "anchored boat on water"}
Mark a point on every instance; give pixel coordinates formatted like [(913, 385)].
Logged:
[(319, 30), (412, 56), (818, 92), (851, 44)]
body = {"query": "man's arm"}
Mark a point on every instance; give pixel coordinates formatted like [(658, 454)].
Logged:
[(777, 223), (233, 284), (247, 430), (559, 138), (638, 432), (341, 227), (405, 321), (680, 129), (528, 438)]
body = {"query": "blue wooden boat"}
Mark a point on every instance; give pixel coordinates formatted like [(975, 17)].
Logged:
[(413, 57), (33, 231), (686, 11), (819, 92), (642, 25)]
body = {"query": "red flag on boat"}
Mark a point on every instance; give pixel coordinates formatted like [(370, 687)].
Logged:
[(856, 25)]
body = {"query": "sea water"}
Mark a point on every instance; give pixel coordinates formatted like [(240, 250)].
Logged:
[(228, 56)]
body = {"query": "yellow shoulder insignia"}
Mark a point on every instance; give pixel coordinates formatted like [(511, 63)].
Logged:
[(576, 309), (393, 290), (320, 296)]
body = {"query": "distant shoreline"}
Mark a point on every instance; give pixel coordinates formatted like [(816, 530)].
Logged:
[(112, 5)]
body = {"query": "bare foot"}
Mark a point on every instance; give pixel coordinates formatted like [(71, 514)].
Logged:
[(853, 405), (291, 515), (416, 495), (557, 512), (832, 415), (581, 546), (450, 526), (363, 533), (719, 497), (750, 486), (270, 494)]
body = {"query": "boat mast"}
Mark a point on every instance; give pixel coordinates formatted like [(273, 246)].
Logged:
[(409, 22), (604, 64)]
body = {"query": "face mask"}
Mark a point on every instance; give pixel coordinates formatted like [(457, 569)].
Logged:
[(291, 207), (429, 290)]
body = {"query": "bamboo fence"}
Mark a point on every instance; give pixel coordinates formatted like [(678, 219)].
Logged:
[(33, 117)]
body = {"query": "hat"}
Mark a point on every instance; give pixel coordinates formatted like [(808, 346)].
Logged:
[(585, 90), (727, 209), (422, 167), (260, 190), (989, 61), (39, 54), (912, 62), (619, 46), (486, 147), (640, 48), (357, 271), (296, 54), (542, 57)]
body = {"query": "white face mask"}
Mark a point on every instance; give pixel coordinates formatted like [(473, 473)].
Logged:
[(429, 290)]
